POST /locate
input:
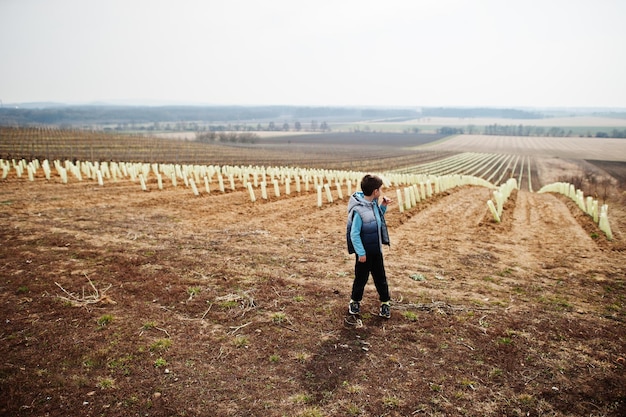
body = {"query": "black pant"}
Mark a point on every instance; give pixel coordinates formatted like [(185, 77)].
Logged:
[(373, 264)]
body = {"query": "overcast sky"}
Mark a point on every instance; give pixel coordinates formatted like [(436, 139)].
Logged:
[(521, 53)]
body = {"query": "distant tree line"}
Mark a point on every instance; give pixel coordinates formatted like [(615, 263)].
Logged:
[(73, 115), (227, 137), (522, 130), (142, 115), (615, 133), (355, 112), (480, 112), (313, 126), (450, 130)]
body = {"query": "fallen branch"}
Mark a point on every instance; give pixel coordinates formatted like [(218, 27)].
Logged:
[(84, 300)]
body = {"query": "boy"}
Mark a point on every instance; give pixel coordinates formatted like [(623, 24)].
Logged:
[(366, 233)]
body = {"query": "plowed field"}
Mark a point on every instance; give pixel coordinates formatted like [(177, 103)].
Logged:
[(118, 302)]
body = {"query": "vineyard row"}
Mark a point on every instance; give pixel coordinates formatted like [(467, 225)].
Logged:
[(494, 168), (411, 188), (209, 178), (588, 204)]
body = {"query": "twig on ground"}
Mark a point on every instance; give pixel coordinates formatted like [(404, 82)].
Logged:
[(206, 312), (466, 345), (527, 380), (358, 323), (235, 329), (164, 331), (438, 306), (287, 327), (276, 291), (201, 275), (97, 297), (247, 302)]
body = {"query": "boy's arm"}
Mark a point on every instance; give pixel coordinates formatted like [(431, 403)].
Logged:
[(355, 235)]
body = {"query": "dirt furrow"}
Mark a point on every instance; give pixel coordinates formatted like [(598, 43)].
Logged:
[(541, 224)]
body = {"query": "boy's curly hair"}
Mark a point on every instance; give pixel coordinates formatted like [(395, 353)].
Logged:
[(370, 183)]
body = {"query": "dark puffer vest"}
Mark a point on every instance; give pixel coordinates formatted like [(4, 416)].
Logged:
[(370, 236)]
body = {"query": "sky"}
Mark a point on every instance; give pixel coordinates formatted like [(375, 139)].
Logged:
[(406, 53)]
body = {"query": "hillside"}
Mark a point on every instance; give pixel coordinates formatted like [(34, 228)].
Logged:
[(214, 305)]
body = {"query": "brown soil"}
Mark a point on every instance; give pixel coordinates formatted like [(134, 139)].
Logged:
[(213, 305)]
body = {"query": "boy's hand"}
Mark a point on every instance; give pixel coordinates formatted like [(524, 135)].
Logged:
[(386, 201), (362, 259)]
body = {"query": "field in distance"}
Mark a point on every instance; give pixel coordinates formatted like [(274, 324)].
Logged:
[(558, 147)]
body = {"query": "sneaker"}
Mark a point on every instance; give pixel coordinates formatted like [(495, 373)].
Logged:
[(354, 308), (385, 310)]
